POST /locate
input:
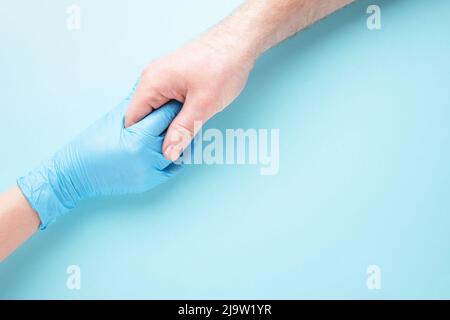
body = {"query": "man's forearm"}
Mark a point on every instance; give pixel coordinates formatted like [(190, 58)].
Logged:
[(208, 73), (261, 24), (18, 221)]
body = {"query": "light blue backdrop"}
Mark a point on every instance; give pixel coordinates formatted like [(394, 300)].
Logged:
[(364, 158)]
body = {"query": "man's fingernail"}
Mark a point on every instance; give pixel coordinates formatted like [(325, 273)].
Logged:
[(172, 152)]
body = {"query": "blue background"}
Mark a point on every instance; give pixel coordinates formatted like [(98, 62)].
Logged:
[(364, 157)]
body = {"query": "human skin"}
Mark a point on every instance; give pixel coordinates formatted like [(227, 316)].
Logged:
[(18, 221), (208, 73)]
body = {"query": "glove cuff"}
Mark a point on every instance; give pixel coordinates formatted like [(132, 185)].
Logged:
[(47, 192)]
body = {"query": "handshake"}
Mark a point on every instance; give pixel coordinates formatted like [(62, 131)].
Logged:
[(133, 147), (106, 159)]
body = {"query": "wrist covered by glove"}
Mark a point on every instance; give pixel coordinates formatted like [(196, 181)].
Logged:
[(106, 159)]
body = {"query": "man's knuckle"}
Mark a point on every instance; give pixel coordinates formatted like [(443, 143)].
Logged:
[(186, 130)]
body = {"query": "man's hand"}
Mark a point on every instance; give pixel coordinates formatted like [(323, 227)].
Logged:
[(205, 75), (210, 72)]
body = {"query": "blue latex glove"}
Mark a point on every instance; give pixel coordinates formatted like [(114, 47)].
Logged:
[(106, 159)]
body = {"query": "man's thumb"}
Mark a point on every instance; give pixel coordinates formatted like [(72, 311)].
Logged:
[(181, 131)]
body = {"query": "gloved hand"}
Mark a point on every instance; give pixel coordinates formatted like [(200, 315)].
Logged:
[(106, 159)]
